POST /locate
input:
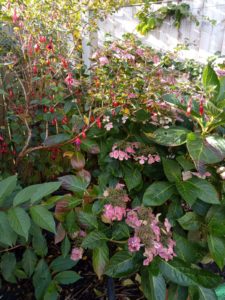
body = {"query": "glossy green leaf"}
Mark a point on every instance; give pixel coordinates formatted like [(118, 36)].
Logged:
[(158, 193), (100, 258), (61, 263), (94, 239), (73, 183), (190, 221), (41, 279), (121, 264), (44, 190), (195, 188), (210, 80), (8, 267), (67, 277), (183, 274), (216, 220), (65, 247), (25, 194), (19, 220), (90, 146), (29, 261), (154, 287), (7, 186), (132, 178), (88, 219), (207, 150), (172, 170), (56, 139), (217, 249), (43, 218), (173, 136), (7, 236)]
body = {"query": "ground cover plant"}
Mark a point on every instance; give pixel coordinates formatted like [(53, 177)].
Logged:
[(133, 156)]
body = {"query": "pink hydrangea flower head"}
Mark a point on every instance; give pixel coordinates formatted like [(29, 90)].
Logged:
[(119, 213), (132, 219), (129, 149), (157, 158), (142, 159), (109, 212), (77, 253), (151, 159), (103, 61), (134, 244), (140, 52), (119, 186)]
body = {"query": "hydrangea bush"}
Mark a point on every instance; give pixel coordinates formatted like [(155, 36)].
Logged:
[(143, 148)]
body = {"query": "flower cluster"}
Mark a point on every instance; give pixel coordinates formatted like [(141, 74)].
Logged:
[(155, 237), (134, 151), (117, 199)]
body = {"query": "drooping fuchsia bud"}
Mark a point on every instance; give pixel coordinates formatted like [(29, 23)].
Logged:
[(189, 107), (77, 141), (201, 107)]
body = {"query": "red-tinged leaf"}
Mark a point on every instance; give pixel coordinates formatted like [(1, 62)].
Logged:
[(61, 208), (85, 175), (60, 233)]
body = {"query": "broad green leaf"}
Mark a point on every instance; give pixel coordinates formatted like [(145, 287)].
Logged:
[(186, 250), (25, 194), (74, 183), (8, 267), (154, 287), (39, 242), (190, 221), (120, 231), (216, 220), (183, 274), (158, 193), (210, 80), (41, 279), (172, 170), (7, 236), (61, 263), (71, 222), (195, 188), (185, 163), (121, 264), (19, 220), (44, 190), (65, 247), (173, 136), (217, 249), (206, 294), (67, 277), (51, 292), (43, 218), (88, 219), (94, 239), (100, 258), (90, 146), (29, 261), (7, 186), (207, 150), (56, 139), (132, 178)]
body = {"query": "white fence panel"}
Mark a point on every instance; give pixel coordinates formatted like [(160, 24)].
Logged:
[(204, 40)]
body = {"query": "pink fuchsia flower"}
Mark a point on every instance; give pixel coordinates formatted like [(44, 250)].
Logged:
[(103, 61), (132, 219), (69, 80), (15, 17), (108, 126), (77, 253), (134, 244)]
